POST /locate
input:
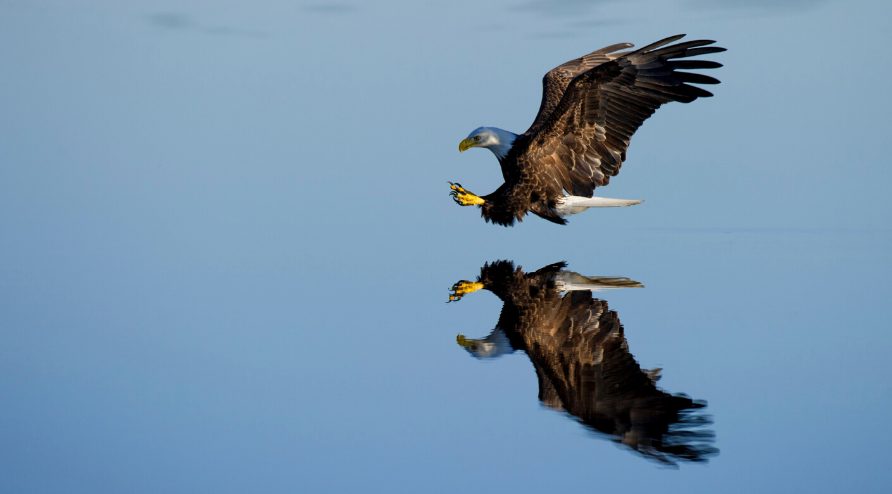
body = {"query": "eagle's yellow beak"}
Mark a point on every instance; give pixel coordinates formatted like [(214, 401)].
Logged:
[(465, 144), (465, 342)]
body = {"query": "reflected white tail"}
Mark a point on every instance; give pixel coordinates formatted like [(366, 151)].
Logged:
[(575, 204), (568, 281)]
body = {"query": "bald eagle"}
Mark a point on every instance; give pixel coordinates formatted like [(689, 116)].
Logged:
[(582, 361), (590, 108)]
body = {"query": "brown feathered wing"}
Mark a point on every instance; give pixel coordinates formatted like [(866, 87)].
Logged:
[(579, 142)]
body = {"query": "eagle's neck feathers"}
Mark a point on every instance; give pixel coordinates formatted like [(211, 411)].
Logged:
[(504, 141)]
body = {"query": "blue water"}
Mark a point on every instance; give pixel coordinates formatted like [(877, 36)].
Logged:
[(226, 242)]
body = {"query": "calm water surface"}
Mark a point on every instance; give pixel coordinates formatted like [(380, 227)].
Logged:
[(227, 244)]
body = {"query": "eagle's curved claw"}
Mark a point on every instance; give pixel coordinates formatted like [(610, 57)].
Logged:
[(462, 196), (462, 288)]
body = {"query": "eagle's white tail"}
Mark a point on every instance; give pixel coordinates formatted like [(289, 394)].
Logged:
[(606, 202), (575, 204)]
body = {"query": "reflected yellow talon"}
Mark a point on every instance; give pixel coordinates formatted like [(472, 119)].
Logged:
[(463, 288), (464, 197)]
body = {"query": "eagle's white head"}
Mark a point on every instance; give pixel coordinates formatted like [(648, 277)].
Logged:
[(497, 140)]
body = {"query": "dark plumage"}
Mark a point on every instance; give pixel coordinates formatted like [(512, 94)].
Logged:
[(591, 107), (583, 364)]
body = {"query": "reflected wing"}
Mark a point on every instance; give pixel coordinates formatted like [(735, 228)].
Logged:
[(585, 368), (555, 82), (583, 141)]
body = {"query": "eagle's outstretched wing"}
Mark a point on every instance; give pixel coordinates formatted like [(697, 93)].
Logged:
[(583, 140), (555, 82)]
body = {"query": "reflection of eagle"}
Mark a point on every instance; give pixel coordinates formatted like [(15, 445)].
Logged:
[(582, 360), (590, 108)]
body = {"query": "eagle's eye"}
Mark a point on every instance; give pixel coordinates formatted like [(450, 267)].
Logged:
[(476, 138)]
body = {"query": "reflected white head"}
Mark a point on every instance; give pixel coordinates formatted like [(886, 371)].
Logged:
[(494, 345), (497, 140)]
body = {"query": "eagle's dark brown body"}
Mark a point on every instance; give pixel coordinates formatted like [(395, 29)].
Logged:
[(591, 107), (582, 360)]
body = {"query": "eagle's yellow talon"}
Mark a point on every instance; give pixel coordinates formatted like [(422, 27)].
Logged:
[(462, 288), (463, 197)]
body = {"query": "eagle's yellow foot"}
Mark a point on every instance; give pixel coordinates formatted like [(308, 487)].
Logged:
[(464, 197), (463, 288)]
